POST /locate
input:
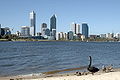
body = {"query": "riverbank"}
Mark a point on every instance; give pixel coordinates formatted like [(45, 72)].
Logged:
[(56, 40), (113, 75)]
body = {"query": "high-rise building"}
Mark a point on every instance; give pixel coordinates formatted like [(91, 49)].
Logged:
[(53, 22), (75, 28), (43, 28), (32, 23), (53, 26), (85, 30), (25, 31)]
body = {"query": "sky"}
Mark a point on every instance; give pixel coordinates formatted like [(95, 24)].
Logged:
[(102, 16)]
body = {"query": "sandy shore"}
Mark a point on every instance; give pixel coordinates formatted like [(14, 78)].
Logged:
[(106, 76), (114, 75)]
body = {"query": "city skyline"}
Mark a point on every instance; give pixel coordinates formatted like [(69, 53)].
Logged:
[(101, 16)]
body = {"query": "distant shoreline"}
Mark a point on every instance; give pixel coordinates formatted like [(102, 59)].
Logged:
[(5, 40)]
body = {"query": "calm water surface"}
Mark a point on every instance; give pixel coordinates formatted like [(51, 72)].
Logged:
[(18, 58)]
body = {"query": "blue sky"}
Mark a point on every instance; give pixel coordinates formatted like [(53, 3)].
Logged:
[(102, 16)]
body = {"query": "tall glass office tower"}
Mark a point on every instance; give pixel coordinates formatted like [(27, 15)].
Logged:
[(53, 27), (53, 22), (85, 30), (32, 23)]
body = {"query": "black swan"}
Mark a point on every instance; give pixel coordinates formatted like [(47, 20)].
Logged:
[(91, 68)]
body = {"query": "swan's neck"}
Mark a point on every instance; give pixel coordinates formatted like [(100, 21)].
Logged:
[(90, 62)]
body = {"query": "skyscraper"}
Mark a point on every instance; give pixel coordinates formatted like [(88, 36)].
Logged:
[(75, 28), (32, 23), (85, 30), (53, 22), (53, 26)]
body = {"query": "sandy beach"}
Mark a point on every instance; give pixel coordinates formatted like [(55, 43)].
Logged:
[(105, 76), (114, 75)]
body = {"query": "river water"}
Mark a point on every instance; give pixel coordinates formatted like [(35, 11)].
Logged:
[(20, 58)]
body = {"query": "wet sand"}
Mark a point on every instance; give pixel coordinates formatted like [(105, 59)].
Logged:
[(101, 75)]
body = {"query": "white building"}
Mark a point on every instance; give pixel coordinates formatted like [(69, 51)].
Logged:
[(65, 36), (82, 37), (75, 28), (57, 36), (117, 35), (32, 23), (18, 33), (61, 36), (103, 35), (109, 35)]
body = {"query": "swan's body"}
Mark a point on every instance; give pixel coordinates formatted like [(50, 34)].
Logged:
[(91, 68)]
